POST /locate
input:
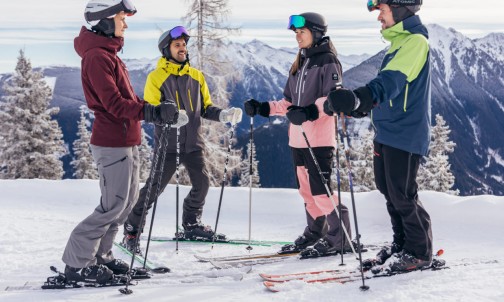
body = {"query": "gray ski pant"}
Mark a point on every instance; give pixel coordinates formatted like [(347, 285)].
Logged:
[(91, 241)]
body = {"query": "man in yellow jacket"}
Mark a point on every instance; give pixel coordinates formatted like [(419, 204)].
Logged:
[(174, 79)]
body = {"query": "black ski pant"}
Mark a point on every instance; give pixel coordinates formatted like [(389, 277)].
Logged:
[(194, 163), (395, 173)]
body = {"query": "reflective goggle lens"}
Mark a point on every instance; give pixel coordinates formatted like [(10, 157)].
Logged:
[(130, 8), (177, 32), (373, 5), (296, 21)]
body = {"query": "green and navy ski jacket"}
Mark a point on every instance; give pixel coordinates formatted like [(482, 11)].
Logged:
[(402, 89)]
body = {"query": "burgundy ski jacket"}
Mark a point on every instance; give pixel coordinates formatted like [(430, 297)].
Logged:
[(108, 91)]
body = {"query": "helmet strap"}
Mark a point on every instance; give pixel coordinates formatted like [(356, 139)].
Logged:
[(106, 27), (400, 13)]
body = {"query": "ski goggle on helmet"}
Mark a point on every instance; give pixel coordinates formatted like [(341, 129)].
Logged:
[(313, 21), (102, 9), (179, 32), (375, 4), (296, 21)]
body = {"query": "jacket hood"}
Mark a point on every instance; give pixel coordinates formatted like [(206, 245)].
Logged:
[(411, 25), (88, 40)]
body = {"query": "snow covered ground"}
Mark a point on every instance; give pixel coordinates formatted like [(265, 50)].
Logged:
[(37, 216)]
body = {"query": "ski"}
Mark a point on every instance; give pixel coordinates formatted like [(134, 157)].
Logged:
[(148, 264), (276, 286), (275, 283), (60, 282), (231, 241), (298, 276), (236, 274), (244, 257), (250, 262)]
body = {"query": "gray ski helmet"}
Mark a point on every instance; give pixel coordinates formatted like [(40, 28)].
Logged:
[(98, 13), (412, 5), (168, 36)]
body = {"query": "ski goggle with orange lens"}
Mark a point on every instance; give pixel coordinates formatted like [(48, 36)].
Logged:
[(375, 4), (296, 21)]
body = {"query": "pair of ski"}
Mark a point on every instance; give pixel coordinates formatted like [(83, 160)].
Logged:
[(279, 282), (228, 262), (256, 259)]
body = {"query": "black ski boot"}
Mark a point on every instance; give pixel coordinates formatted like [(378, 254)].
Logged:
[(118, 266), (322, 248), (72, 275), (129, 243), (405, 261), (383, 255), (201, 232), (301, 243), (99, 274)]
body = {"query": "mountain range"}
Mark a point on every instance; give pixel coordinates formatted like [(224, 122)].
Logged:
[(467, 90)]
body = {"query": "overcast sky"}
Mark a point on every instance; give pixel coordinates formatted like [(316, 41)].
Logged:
[(46, 29)]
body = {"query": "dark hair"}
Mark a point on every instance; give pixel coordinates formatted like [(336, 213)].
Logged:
[(297, 62)]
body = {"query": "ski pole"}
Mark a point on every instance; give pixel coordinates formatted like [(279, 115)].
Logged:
[(165, 133), (338, 174), (349, 167), (251, 171), (177, 191), (338, 178), (223, 182), (324, 182), (158, 190)]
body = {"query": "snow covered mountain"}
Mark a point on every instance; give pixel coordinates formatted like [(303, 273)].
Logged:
[(468, 90)]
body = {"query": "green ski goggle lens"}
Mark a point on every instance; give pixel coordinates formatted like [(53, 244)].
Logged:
[(373, 5), (296, 21)]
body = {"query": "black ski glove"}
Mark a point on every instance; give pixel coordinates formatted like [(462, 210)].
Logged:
[(298, 115), (253, 107), (346, 101), (164, 113)]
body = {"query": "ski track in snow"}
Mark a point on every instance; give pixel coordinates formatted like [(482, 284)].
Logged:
[(38, 216)]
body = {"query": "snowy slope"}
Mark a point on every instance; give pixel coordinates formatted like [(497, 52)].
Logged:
[(37, 217)]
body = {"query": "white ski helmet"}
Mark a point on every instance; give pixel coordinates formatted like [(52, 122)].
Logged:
[(98, 14)]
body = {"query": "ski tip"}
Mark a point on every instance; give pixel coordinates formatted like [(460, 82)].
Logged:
[(270, 286), (440, 252)]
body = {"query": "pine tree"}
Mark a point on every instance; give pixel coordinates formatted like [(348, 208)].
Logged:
[(362, 165), (83, 163), (33, 141), (245, 169), (205, 19), (145, 151), (435, 173)]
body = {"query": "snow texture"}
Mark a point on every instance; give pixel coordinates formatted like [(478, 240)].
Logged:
[(38, 215)]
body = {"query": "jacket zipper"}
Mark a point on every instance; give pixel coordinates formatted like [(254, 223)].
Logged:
[(301, 79), (406, 97)]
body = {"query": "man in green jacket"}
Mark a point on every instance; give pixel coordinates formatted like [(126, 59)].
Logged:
[(399, 102)]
